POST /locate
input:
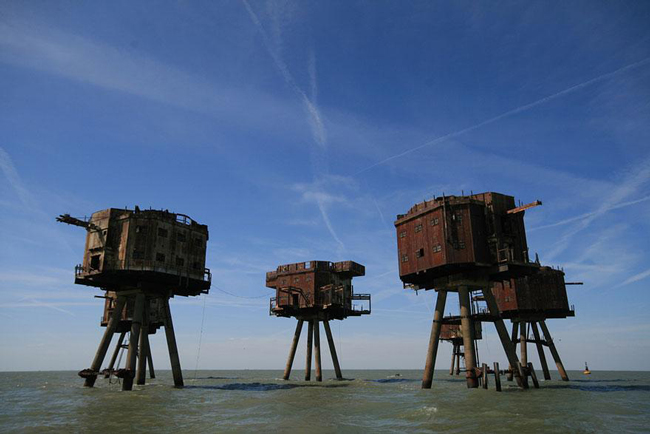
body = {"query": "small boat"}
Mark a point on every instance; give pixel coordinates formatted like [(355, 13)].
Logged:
[(586, 371)]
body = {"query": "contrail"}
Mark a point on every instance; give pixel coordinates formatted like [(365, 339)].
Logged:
[(381, 214), (590, 214), (319, 162), (510, 113), (635, 278), (9, 170), (639, 175)]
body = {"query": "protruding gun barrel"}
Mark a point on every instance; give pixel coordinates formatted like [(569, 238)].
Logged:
[(524, 207), (68, 219)]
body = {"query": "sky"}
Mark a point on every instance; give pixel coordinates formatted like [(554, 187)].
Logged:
[(298, 131)]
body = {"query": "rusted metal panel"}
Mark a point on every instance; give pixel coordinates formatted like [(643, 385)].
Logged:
[(540, 295), (504, 293), (454, 332), (460, 234), (155, 319), (317, 288)]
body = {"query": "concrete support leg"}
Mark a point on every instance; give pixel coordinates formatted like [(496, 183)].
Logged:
[(434, 340), (515, 327), (540, 351), (105, 342), (506, 341), (523, 336), (319, 371), (118, 347), (141, 373), (497, 377), (310, 337), (458, 353), (330, 342), (466, 325), (292, 351), (136, 325), (485, 375), (171, 345), (453, 360), (152, 373), (533, 375), (551, 346)]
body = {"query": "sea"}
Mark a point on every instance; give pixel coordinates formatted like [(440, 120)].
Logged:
[(367, 401)]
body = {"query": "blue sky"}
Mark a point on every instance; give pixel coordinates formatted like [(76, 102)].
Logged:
[(297, 131)]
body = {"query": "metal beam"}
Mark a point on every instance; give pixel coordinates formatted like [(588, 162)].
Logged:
[(466, 324), (453, 360), (310, 337), (554, 353), (506, 341), (524, 207), (292, 351), (434, 340), (141, 373), (319, 371), (152, 373), (540, 351), (118, 347), (136, 325), (330, 342), (105, 342), (171, 345), (522, 342)]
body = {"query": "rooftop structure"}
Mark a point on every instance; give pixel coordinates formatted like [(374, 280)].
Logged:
[(316, 291)]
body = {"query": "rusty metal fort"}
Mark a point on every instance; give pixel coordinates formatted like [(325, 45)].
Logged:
[(476, 247), (473, 245), (140, 259), (316, 291)]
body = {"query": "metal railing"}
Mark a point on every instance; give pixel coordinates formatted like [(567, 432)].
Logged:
[(155, 266), (273, 303), (360, 307)]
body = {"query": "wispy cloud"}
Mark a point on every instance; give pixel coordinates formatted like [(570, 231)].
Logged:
[(635, 177), (39, 223), (11, 175), (31, 279), (31, 303), (319, 133), (637, 277), (53, 51), (590, 214), (602, 257), (381, 214), (510, 113), (314, 193), (302, 222)]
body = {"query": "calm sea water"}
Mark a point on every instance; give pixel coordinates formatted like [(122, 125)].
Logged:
[(371, 401)]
